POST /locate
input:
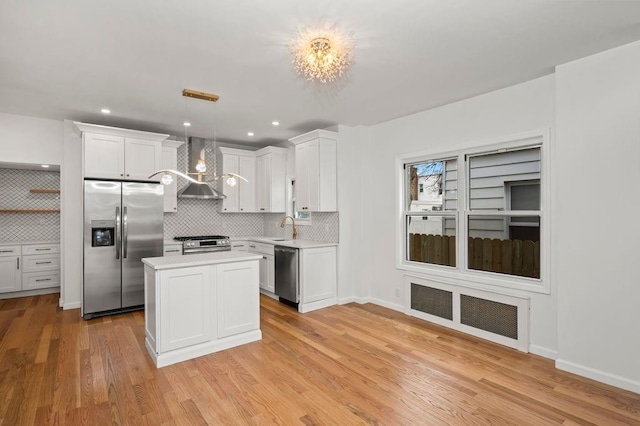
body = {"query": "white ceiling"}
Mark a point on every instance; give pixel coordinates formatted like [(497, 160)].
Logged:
[(69, 58)]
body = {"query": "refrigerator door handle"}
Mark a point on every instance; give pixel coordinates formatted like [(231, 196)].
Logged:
[(117, 236), (125, 232)]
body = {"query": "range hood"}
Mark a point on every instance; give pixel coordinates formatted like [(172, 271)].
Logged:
[(204, 190)]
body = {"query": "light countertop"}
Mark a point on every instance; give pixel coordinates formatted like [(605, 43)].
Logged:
[(172, 262), (277, 241), (22, 243)]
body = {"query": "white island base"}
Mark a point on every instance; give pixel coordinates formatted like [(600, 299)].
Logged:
[(199, 304)]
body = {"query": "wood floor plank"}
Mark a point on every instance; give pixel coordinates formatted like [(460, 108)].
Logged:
[(350, 364)]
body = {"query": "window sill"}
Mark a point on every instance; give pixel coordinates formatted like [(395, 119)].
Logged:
[(477, 280)]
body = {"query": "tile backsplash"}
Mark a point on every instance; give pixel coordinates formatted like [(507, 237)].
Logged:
[(200, 217), (14, 195)]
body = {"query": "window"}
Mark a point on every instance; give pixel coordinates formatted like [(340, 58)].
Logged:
[(301, 217), (479, 214)]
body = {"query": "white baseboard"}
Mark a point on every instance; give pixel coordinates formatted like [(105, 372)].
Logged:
[(346, 300), (598, 375), (72, 305), (26, 293), (542, 351), (384, 303), (312, 306), (362, 300)]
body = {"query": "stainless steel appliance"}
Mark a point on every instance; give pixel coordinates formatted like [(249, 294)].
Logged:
[(286, 274), (204, 244), (123, 222)]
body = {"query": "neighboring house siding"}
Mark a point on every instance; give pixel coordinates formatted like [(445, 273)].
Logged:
[(450, 191), (489, 175)]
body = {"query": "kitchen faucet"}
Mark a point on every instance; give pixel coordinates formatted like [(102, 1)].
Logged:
[(284, 220)]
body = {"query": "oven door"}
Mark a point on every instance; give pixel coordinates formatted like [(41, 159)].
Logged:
[(211, 249)]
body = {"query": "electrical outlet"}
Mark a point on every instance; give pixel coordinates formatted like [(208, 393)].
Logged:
[(397, 292)]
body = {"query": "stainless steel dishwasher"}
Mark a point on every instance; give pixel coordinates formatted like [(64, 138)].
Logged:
[(286, 274)]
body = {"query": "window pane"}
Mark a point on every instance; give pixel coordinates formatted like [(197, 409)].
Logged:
[(497, 245), (432, 186), (432, 239), (496, 178)]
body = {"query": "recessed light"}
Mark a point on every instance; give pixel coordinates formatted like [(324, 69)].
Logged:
[(44, 166), (186, 124), (275, 123), (250, 134), (105, 111)]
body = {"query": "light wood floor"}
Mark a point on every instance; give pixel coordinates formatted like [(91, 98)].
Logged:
[(353, 364)]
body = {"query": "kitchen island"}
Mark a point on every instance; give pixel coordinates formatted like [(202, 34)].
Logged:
[(200, 304)]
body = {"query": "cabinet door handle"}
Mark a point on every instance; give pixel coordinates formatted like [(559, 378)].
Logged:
[(172, 251), (18, 264), (43, 249), (43, 263), (6, 251), (43, 279)]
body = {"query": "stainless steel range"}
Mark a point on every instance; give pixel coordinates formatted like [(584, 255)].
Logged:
[(204, 244)]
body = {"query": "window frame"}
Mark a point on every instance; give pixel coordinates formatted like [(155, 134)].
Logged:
[(461, 274)]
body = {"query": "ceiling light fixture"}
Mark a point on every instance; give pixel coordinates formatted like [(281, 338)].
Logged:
[(250, 134), (275, 123), (321, 55), (44, 166), (105, 111), (201, 167)]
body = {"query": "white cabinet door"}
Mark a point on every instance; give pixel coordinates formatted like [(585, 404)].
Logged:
[(316, 171), (142, 158), (270, 284), (238, 306), (170, 161), (263, 277), (230, 165), (10, 274), (246, 190), (318, 274), (103, 156), (263, 183), (186, 298), (36, 280)]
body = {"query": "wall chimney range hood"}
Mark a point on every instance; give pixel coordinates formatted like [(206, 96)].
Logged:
[(197, 166)]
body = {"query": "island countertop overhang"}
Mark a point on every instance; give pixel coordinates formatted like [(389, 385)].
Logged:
[(173, 262)]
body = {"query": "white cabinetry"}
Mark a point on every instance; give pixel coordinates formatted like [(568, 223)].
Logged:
[(10, 272), (41, 266), (316, 171), (114, 153), (271, 179), (173, 249), (318, 278), (193, 308), (242, 196), (170, 161), (239, 246), (238, 302), (186, 317), (267, 265)]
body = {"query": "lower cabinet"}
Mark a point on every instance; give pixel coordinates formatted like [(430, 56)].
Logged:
[(29, 267), (318, 278), (197, 310), (267, 264), (172, 250), (10, 274)]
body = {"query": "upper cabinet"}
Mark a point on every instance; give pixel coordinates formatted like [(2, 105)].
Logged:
[(123, 154), (170, 161), (316, 171), (271, 173), (242, 196)]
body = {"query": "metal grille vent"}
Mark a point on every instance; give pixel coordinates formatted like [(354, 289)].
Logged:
[(432, 301), (494, 317)]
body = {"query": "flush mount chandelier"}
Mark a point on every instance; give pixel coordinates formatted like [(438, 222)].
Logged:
[(321, 55)]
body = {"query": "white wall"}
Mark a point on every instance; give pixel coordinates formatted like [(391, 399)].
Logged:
[(30, 140), (518, 109), (598, 104)]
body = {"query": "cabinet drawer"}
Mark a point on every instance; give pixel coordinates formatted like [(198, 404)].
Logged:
[(10, 250), (239, 246), (41, 262), (41, 249), (260, 248), (172, 250), (35, 280)]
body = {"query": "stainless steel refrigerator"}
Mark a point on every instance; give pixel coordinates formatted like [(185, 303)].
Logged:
[(123, 223)]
